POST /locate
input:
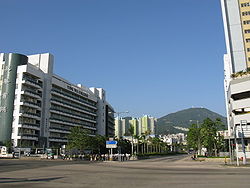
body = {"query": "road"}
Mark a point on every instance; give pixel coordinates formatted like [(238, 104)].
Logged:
[(176, 172)]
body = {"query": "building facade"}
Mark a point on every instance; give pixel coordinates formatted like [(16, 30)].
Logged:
[(236, 17), (38, 108), (142, 125)]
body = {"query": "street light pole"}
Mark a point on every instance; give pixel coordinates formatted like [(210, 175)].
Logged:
[(242, 141), (199, 141), (118, 127)]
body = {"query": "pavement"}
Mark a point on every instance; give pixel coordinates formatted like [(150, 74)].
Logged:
[(171, 171)]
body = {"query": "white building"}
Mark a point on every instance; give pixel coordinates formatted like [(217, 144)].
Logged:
[(38, 108), (173, 139), (236, 19)]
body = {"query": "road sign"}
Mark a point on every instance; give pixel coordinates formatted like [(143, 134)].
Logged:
[(111, 144)]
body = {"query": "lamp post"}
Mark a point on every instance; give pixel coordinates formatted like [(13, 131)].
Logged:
[(118, 131), (243, 123)]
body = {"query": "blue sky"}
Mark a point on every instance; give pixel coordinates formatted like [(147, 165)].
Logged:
[(151, 56)]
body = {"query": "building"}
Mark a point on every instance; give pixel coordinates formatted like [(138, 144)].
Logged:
[(173, 140), (122, 126), (147, 125), (236, 17), (143, 125), (135, 123), (38, 108)]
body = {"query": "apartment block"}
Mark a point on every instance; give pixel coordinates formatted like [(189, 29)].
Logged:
[(236, 17), (38, 108), (142, 125)]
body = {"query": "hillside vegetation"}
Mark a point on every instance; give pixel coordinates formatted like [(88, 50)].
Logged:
[(180, 121)]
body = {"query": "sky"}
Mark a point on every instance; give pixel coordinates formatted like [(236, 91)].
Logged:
[(152, 57)]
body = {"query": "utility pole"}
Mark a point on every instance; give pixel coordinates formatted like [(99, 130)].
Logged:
[(236, 147), (243, 122), (199, 139)]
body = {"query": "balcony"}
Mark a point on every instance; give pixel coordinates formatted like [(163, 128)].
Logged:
[(239, 104), (30, 126), (63, 122), (76, 100), (59, 130), (32, 94), (30, 115), (31, 83), (71, 116), (31, 104), (240, 85), (239, 118), (73, 107), (246, 131), (58, 139), (28, 136)]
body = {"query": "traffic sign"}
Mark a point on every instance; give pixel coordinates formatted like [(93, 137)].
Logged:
[(111, 144)]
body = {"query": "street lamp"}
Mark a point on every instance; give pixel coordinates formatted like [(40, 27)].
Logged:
[(118, 127)]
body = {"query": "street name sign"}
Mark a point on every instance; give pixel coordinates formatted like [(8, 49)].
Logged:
[(111, 144)]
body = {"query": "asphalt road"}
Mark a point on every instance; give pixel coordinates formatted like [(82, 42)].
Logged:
[(175, 172)]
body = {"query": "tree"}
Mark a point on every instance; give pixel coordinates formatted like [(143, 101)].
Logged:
[(124, 145), (78, 139), (156, 143), (8, 144), (193, 136), (206, 135), (137, 145), (211, 139), (97, 144), (131, 133)]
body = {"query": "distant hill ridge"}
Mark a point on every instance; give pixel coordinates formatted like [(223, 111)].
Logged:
[(180, 121)]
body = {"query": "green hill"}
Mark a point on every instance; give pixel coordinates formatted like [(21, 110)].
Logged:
[(178, 122)]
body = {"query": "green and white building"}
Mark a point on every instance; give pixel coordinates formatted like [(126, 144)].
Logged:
[(38, 108), (142, 125)]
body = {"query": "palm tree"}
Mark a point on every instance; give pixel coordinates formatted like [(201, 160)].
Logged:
[(143, 138), (147, 132), (137, 145)]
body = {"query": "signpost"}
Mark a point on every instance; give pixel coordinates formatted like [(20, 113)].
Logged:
[(111, 144)]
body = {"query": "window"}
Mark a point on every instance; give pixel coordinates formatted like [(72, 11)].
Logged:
[(248, 58), (245, 22), (245, 4), (246, 13), (239, 96), (247, 31), (248, 40), (248, 49)]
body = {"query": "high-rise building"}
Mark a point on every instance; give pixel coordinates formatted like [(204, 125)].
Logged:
[(38, 108), (121, 126), (145, 124), (236, 17)]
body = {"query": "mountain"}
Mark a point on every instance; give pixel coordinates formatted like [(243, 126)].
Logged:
[(180, 121)]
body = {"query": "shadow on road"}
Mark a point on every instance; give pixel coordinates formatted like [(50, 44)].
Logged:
[(18, 180)]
